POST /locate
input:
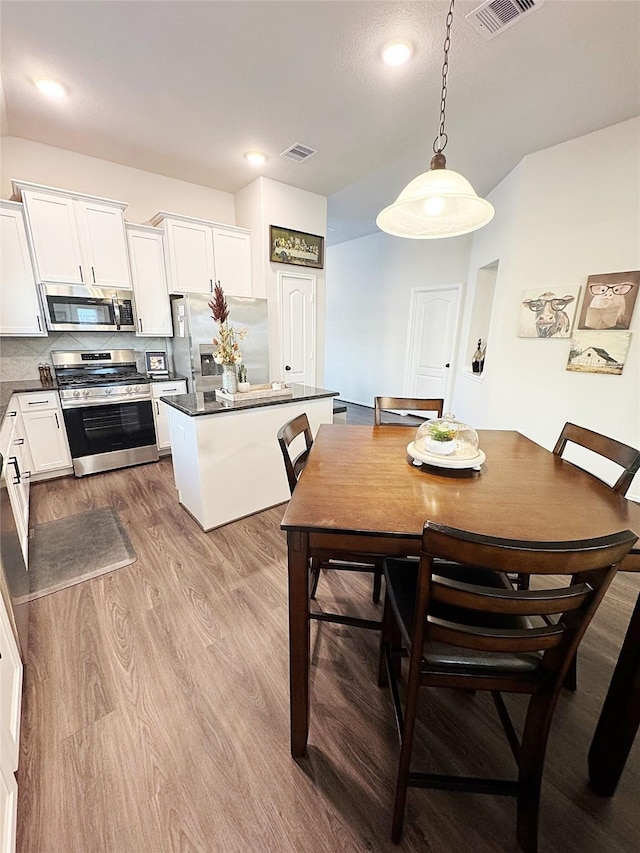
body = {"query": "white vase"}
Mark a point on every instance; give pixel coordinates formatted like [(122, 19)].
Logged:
[(441, 448), (229, 378)]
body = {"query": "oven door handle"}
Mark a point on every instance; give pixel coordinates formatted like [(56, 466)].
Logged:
[(116, 312)]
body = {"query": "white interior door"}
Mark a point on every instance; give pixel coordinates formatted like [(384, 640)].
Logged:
[(433, 323), (297, 299)]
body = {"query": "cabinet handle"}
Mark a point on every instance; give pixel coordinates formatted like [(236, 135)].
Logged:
[(18, 441), (211, 285), (11, 414), (39, 403), (14, 461), (81, 276), (140, 324), (57, 421), (157, 408), (39, 324), (93, 273), (26, 475), (166, 390)]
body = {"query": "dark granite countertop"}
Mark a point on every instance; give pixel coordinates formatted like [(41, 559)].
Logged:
[(207, 404), (168, 377)]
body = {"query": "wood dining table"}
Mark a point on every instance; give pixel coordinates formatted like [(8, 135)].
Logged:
[(360, 492)]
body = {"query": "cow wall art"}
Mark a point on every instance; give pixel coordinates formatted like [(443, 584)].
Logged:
[(548, 313), (609, 300)]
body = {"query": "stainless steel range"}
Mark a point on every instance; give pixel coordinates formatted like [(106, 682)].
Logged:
[(107, 409)]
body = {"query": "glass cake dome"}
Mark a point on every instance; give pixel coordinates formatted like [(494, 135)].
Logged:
[(447, 437)]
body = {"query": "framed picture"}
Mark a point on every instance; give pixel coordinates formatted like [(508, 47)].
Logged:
[(609, 301), (156, 362), (296, 247), (547, 314), (598, 352)]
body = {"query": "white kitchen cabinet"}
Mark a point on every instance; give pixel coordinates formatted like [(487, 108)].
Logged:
[(149, 279), (8, 810), (160, 415), (20, 311), (10, 706), (45, 431), (201, 254), (17, 470), (76, 238), (232, 256)]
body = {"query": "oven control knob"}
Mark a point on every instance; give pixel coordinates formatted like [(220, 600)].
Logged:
[(108, 390), (86, 392), (137, 389), (128, 389), (76, 393)]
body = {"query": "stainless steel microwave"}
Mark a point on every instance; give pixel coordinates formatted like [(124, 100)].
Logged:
[(94, 309)]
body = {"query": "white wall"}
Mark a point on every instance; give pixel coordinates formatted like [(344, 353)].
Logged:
[(571, 211), (563, 214), (263, 203), (145, 192), (368, 295)]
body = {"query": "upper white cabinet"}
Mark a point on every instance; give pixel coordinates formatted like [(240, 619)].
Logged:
[(20, 312), (202, 254), (76, 238), (149, 277)]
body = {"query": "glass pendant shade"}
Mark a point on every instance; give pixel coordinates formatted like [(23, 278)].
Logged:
[(438, 203)]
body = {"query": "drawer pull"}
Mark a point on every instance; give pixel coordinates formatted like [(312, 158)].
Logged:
[(39, 403), (14, 461), (18, 441)]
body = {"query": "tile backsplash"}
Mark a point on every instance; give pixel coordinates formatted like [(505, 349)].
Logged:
[(20, 357)]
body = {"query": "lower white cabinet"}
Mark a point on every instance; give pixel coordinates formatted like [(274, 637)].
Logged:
[(17, 470), (45, 431), (164, 389), (10, 706)]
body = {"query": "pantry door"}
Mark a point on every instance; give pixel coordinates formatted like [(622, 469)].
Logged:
[(433, 326), (298, 312)]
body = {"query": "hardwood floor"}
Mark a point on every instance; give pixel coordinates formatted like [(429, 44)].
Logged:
[(156, 708)]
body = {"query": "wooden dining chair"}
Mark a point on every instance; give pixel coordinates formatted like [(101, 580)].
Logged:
[(418, 404), (627, 457), (463, 625), (294, 465)]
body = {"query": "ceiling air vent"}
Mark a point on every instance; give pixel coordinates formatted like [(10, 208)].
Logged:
[(493, 17), (299, 152)]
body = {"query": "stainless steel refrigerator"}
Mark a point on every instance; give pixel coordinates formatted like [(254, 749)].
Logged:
[(194, 330)]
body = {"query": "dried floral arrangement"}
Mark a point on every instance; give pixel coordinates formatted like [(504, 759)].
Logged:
[(228, 351)]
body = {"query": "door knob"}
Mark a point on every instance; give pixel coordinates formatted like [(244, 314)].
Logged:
[(447, 365), (287, 367)]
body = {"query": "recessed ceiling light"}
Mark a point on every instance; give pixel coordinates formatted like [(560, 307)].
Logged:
[(50, 88), (397, 52), (255, 158)]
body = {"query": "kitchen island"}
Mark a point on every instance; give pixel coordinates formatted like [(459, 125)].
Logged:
[(226, 459)]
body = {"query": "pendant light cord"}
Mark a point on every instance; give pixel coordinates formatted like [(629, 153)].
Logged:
[(440, 142)]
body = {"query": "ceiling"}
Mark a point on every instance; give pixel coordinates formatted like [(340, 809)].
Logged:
[(184, 88)]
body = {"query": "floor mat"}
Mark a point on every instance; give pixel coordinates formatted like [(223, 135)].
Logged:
[(70, 550)]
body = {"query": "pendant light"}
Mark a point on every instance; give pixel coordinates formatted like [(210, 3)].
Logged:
[(438, 203)]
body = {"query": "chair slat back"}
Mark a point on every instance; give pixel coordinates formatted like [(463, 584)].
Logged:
[(586, 567), (286, 435), (418, 404), (622, 454)]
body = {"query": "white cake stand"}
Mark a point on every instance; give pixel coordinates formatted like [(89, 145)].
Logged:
[(421, 457)]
